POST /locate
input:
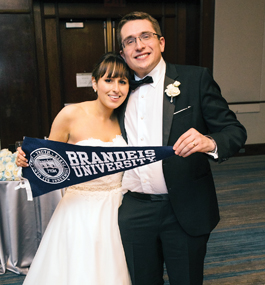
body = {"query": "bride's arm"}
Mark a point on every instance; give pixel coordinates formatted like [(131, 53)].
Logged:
[(60, 131)]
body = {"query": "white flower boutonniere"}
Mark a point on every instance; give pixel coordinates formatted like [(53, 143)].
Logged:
[(173, 90)]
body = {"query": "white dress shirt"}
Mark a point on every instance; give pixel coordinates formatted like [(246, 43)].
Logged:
[(143, 124)]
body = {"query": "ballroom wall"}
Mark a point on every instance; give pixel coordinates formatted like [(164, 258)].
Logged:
[(239, 61), (19, 101), (39, 58)]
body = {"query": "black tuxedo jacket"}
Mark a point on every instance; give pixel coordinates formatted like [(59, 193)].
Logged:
[(189, 180)]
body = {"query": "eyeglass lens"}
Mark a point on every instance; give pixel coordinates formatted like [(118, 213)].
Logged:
[(144, 37)]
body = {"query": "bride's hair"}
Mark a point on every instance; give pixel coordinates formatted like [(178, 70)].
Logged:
[(112, 64)]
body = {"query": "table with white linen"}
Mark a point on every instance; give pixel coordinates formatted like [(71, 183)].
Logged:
[(22, 224)]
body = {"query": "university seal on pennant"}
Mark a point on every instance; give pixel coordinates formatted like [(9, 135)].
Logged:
[(49, 166)]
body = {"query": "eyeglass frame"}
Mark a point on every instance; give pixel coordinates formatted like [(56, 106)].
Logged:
[(135, 38)]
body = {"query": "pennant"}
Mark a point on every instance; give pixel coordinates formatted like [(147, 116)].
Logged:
[(56, 165)]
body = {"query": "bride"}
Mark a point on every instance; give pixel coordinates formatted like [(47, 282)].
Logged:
[(82, 243)]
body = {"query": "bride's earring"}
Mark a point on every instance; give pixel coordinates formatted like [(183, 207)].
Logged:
[(94, 84)]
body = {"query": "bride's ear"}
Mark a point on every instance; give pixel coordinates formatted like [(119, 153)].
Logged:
[(94, 84)]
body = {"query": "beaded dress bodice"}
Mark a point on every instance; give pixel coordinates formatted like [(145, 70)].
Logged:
[(105, 183)]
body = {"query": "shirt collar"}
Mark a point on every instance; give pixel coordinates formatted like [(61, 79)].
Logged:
[(156, 73)]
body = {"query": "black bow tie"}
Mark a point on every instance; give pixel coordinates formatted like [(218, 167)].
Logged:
[(134, 84)]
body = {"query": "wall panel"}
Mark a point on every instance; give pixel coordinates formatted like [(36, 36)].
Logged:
[(38, 61), (239, 61), (19, 97), (15, 5)]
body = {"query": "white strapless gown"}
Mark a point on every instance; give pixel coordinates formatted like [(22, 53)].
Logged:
[(82, 243)]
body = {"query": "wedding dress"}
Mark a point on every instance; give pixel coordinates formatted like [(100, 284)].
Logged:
[(82, 243)]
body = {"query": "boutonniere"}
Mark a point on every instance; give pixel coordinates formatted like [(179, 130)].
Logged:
[(173, 90)]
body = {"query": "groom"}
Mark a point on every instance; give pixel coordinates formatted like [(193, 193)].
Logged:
[(171, 206)]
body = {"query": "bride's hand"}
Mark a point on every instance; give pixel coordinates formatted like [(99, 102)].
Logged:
[(21, 160)]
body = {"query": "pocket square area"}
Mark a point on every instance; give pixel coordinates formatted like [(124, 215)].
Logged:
[(181, 110)]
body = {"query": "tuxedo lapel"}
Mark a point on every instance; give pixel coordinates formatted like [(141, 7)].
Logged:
[(168, 108)]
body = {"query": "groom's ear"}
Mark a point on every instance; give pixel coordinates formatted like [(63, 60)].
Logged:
[(122, 54)]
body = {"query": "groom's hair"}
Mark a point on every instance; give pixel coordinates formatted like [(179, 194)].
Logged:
[(136, 16)]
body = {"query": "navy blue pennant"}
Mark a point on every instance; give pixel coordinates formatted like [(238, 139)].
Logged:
[(56, 165)]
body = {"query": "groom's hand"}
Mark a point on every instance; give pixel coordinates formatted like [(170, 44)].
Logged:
[(192, 141)]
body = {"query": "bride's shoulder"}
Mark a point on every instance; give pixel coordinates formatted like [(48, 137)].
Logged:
[(73, 109)]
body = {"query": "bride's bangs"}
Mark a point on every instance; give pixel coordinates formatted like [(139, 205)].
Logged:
[(111, 66), (117, 69)]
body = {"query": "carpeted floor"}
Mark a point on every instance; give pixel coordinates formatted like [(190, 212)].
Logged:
[(236, 249)]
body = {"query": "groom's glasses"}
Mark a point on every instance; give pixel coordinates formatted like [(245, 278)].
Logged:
[(144, 38)]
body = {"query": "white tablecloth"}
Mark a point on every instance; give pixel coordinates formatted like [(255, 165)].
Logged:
[(22, 224)]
